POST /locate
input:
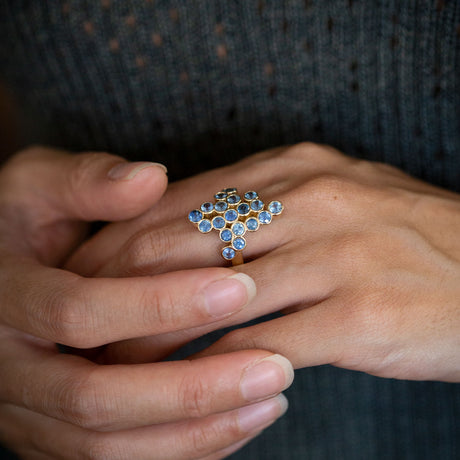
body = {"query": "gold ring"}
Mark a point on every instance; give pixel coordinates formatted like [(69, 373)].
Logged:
[(232, 216)]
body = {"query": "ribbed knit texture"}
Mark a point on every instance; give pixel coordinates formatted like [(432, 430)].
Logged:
[(198, 84)]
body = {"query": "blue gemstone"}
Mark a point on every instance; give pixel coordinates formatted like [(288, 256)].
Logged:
[(265, 217), (218, 222), (195, 216), (220, 196), (243, 209), (233, 199), (252, 224), (221, 206), (231, 215), (230, 190), (275, 207), (228, 253), (205, 226), (251, 195), (239, 243), (257, 205), (238, 229), (207, 207), (226, 235)]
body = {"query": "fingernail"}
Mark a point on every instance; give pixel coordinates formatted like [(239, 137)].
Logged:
[(261, 414), (229, 295), (266, 377), (127, 171)]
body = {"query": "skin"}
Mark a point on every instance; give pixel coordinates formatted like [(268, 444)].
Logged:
[(364, 262), (64, 406)]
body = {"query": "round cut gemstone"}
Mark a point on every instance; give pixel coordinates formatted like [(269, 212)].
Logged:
[(207, 207), (218, 222), (252, 224), (226, 235), (220, 196), (205, 226), (275, 207), (238, 229), (243, 209), (233, 199), (221, 206), (257, 205), (239, 243), (229, 190), (195, 216), (231, 215), (251, 195), (228, 253), (265, 217)]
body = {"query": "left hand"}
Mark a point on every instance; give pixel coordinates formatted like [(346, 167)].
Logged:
[(365, 261)]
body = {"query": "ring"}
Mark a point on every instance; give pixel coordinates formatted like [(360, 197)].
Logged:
[(232, 216)]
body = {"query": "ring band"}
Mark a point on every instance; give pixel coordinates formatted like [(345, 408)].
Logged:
[(232, 216)]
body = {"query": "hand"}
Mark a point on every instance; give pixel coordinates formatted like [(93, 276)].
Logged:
[(364, 261), (56, 405)]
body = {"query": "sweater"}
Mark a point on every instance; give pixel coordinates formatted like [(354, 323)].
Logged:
[(200, 84)]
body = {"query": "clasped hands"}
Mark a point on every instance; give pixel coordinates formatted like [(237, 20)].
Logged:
[(364, 262)]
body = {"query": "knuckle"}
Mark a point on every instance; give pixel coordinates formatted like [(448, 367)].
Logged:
[(158, 308), (83, 403), (194, 397), (148, 250), (58, 314), (328, 186), (68, 317), (84, 164), (204, 437), (309, 150)]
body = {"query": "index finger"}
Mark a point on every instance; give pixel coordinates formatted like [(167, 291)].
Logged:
[(87, 312)]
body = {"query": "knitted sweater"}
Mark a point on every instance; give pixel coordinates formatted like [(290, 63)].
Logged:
[(197, 84)]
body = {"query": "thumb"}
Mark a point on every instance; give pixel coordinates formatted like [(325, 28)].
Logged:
[(88, 186)]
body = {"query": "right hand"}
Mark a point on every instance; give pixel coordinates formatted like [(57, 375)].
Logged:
[(55, 405)]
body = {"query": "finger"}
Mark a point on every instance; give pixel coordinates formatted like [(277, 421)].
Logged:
[(111, 398), (283, 280), (176, 245), (311, 337), (199, 438), (175, 441), (84, 313), (89, 186), (265, 172)]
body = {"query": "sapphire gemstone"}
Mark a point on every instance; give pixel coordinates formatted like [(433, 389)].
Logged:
[(218, 222), (207, 207), (205, 226), (275, 207), (233, 199), (239, 243), (243, 209), (231, 215), (265, 217), (226, 235), (228, 253), (195, 216), (251, 195), (252, 224), (257, 205), (238, 229), (221, 206), (220, 196)]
